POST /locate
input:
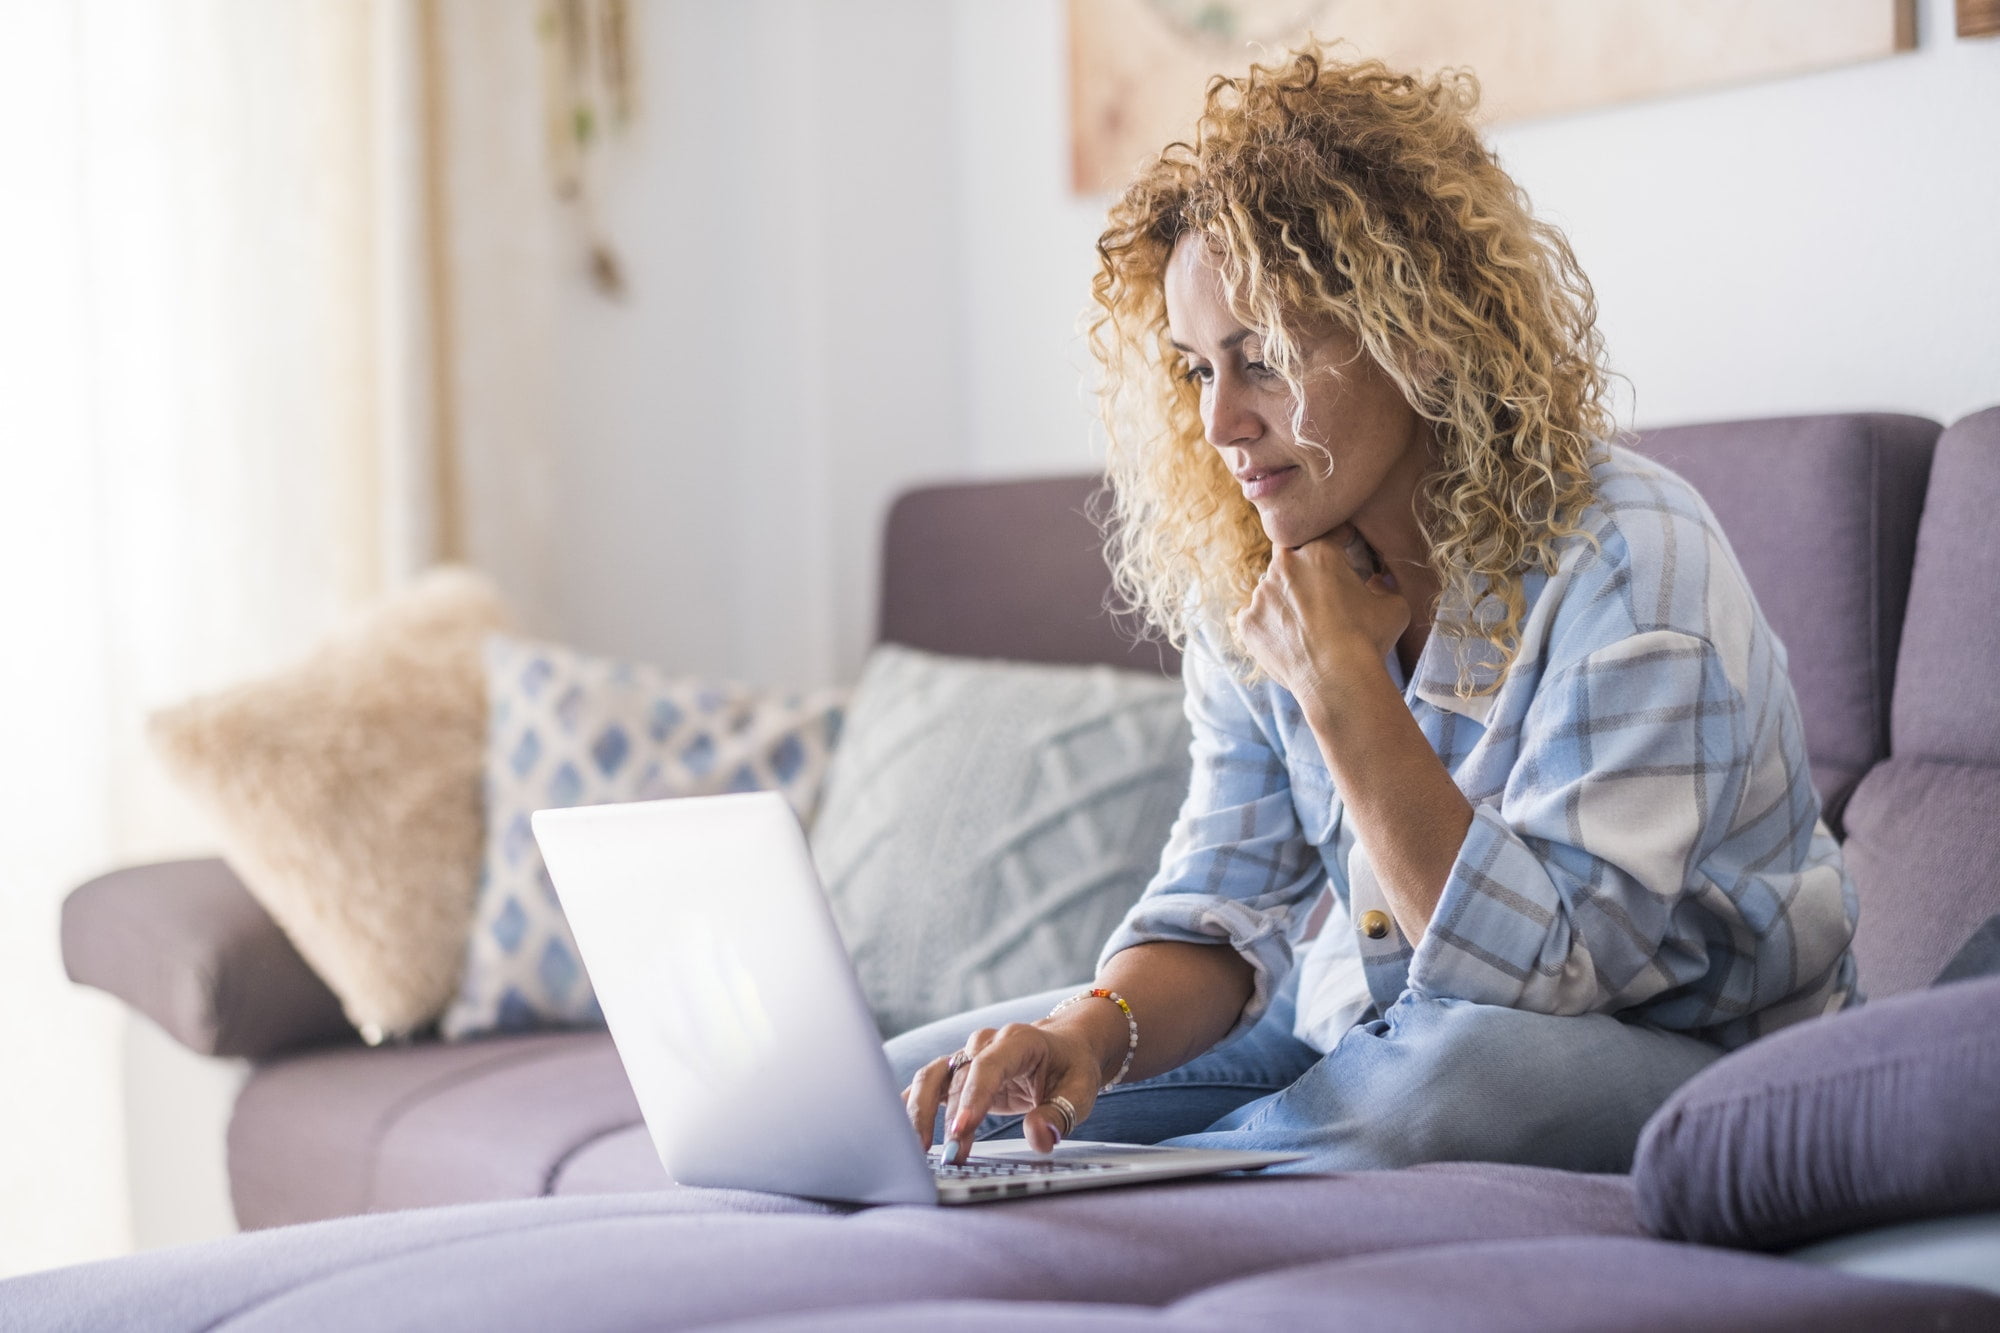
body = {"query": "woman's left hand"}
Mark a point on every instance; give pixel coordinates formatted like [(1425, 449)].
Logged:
[(1322, 611)]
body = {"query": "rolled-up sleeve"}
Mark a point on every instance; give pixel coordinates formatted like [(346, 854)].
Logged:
[(1236, 868), (1585, 888)]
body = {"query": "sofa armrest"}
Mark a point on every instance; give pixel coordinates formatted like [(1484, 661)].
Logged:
[(185, 944)]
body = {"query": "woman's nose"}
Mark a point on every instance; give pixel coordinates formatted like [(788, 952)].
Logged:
[(1229, 418)]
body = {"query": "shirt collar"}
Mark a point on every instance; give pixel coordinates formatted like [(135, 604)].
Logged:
[(1437, 666), (1437, 675)]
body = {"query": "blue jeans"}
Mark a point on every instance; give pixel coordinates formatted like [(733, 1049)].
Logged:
[(1427, 1081)]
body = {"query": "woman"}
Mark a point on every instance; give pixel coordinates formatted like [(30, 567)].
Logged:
[(1494, 683)]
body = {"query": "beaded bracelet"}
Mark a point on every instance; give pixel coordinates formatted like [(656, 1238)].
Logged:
[(1131, 1024)]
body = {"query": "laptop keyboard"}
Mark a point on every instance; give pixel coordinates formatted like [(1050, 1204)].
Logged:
[(998, 1168)]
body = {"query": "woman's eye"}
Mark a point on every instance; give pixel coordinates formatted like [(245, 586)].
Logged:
[(1197, 374), (1259, 368)]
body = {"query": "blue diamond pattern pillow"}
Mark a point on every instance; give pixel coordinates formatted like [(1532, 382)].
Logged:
[(564, 729)]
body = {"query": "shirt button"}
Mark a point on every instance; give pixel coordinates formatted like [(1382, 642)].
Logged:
[(1375, 925)]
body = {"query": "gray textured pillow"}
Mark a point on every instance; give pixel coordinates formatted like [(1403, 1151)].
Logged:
[(986, 824)]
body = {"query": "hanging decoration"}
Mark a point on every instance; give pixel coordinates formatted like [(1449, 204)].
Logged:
[(588, 83)]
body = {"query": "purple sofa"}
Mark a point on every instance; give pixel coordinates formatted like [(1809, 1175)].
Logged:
[(1903, 734)]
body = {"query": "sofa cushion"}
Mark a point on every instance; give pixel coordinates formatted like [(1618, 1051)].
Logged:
[(987, 824), (567, 729), (1426, 1248), (1583, 1284), (1923, 846), (1822, 514), (215, 1284), (328, 1133), (1923, 843), (691, 1258), (1945, 706), (1877, 1115)]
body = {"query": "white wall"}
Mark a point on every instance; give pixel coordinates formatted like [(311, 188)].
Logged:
[(791, 352), (1816, 244), (856, 263)]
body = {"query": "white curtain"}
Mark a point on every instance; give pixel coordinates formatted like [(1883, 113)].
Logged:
[(217, 434)]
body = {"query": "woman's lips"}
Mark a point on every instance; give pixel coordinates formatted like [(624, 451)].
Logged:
[(1269, 484)]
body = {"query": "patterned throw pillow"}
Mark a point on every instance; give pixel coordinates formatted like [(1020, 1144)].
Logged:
[(987, 824), (567, 729)]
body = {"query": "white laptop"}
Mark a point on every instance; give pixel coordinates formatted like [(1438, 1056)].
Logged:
[(742, 1025)]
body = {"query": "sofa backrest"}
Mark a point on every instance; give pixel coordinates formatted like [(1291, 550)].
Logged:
[(1821, 511), (1923, 839), (1822, 514), (1005, 569)]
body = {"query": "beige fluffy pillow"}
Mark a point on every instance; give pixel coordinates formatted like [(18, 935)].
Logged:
[(346, 791)]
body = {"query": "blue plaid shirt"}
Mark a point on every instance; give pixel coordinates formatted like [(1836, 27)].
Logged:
[(1645, 840)]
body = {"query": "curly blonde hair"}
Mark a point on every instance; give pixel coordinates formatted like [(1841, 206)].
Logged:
[(1350, 191)]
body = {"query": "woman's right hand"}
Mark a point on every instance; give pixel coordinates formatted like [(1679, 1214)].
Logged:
[(1019, 1068)]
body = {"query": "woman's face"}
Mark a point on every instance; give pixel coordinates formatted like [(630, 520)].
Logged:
[(1378, 443)]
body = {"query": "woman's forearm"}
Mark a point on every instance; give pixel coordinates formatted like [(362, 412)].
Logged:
[(1185, 998), (1406, 808)]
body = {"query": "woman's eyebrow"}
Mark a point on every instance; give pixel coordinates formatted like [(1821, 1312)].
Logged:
[(1227, 343)]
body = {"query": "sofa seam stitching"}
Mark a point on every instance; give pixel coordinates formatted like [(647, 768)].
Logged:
[(568, 1154)]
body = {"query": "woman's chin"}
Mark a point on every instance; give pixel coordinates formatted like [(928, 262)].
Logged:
[(1285, 537), (1280, 527), (1286, 530)]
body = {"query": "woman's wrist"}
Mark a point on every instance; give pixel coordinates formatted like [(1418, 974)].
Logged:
[(1357, 680), (1100, 1027), (1131, 1028)]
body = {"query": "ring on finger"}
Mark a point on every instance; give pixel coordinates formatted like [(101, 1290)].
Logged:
[(959, 1059), (1067, 1110)]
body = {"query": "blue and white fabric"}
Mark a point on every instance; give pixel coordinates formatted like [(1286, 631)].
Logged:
[(567, 729), (1646, 838)]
